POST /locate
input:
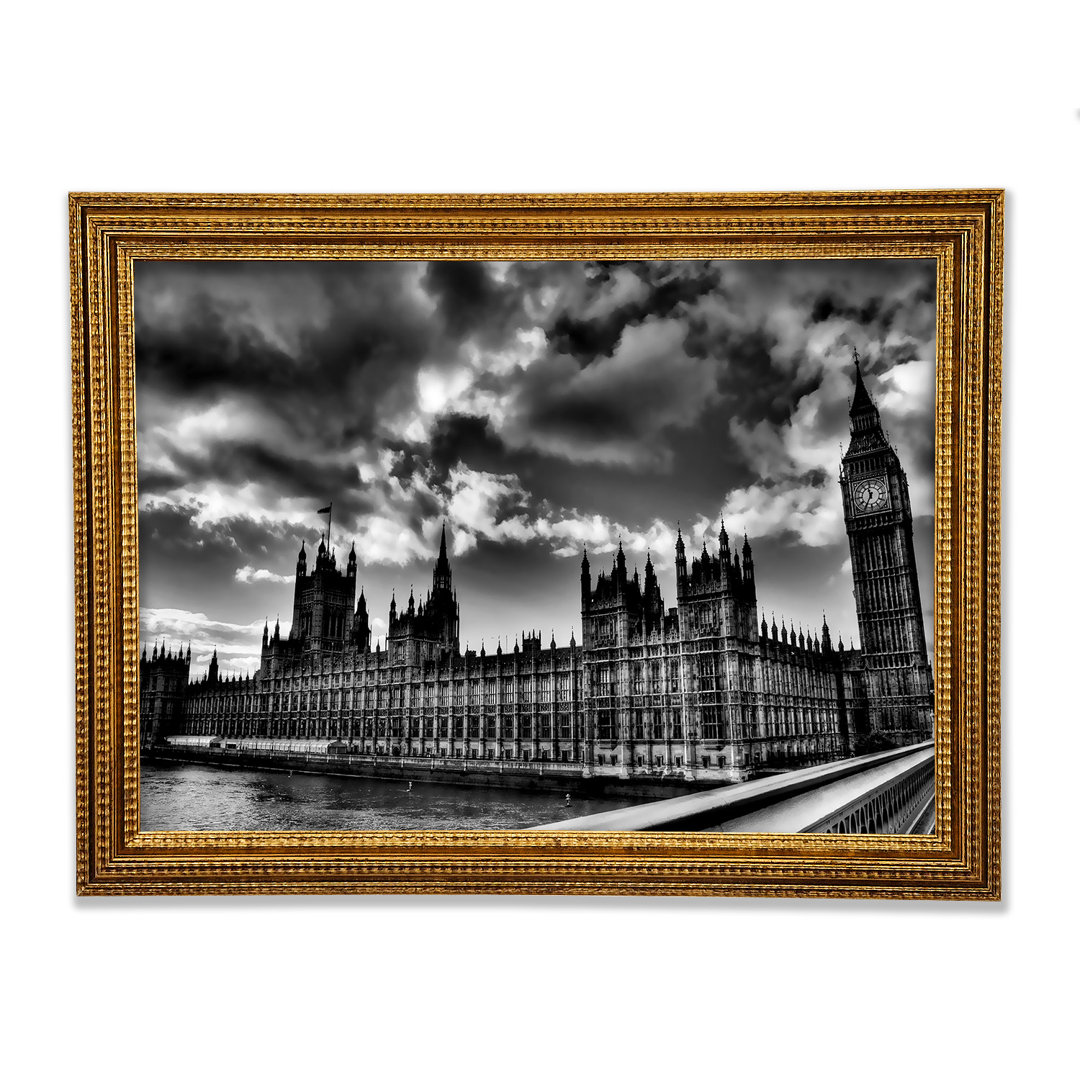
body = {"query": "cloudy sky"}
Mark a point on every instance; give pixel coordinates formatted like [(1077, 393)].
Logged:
[(536, 407)]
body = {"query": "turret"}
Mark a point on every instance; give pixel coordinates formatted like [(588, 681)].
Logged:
[(350, 569), (440, 578), (301, 561), (748, 566), (361, 630), (654, 602), (212, 674), (680, 556), (826, 640), (620, 566), (586, 581)]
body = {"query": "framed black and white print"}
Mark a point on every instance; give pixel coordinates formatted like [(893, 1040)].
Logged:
[(538, 543)]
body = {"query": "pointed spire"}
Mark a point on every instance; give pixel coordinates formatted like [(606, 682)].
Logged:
[(861, 402), (680, 556)]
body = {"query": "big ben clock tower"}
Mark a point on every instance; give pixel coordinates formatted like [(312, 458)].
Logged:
[(877, 513)]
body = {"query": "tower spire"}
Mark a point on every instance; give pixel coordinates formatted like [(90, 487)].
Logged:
[(440, 578), (680, 555), (861, 402)]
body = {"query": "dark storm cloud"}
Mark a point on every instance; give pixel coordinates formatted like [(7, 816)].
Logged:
[(663, 289), (321, 348), (472, 302), (457, 438), (239, 462)]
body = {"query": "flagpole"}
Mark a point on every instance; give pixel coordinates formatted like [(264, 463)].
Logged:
[(329, 522)]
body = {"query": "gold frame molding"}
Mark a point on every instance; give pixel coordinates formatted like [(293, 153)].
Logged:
[(961, 230)]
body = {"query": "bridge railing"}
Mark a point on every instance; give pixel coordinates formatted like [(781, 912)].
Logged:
[(887, 792)]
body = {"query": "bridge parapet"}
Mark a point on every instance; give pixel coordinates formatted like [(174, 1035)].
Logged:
[(888, 792)]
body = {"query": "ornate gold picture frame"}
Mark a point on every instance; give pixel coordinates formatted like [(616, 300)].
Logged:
[(960, 230)]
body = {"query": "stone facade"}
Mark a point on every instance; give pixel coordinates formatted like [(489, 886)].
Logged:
[(703, 689)]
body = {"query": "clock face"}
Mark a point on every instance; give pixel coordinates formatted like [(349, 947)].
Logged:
[(870, 496)]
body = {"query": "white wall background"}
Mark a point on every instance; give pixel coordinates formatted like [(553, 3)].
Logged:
[(537, 97)]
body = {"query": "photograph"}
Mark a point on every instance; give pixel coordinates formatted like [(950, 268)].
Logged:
[(564, 544)]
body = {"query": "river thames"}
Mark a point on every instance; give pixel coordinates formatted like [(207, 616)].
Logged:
[(187, 796)]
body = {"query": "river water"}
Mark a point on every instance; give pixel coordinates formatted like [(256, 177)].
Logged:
[(189, 796)]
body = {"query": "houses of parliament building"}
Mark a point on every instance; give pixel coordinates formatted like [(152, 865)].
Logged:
[(707, 688)]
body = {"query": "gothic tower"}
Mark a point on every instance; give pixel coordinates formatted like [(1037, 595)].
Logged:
[(323, 602), (432, 627), (877, 514), (442, 606)]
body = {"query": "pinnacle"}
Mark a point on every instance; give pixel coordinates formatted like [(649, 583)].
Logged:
[(861, 401)]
